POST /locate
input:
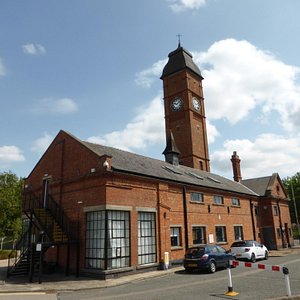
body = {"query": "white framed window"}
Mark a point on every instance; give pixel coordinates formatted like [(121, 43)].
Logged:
[(218, 199), (197, 197), (199, 235), (235, 202), (146, 238), (175, 233), (275, 210), (238, 232), (221, 234)]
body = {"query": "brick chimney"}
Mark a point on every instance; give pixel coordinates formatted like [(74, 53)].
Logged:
[(236, 167)]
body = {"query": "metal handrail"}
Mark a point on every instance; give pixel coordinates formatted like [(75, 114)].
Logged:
[(21, 250), (32, 202)]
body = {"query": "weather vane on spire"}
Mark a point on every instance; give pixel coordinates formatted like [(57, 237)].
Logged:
[(179, 36)]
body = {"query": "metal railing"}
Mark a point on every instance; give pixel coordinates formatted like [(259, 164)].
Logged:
[(20, 252), (34, 203)]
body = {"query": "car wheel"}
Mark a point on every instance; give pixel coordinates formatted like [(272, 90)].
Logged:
[(253, 258), (212, 267), (266, 255)]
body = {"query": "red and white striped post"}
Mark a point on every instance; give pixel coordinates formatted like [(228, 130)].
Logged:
[(230, 291), (284, 270)]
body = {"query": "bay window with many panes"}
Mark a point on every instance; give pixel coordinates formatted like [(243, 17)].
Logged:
[(107, 239)]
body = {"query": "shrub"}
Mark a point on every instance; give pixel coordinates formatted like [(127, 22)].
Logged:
[(4, 254)]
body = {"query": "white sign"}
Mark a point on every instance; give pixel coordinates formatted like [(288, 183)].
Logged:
[(211, 238), (38, 247)]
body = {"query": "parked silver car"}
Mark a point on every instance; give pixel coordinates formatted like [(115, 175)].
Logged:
[(249, 250)]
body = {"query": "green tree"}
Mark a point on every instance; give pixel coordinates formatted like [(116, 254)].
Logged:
[(292, 185), (10, 205)]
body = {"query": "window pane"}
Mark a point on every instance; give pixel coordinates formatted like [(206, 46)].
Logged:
[(175, 236), (197, 197), (146, 238), (218, 199), (94, 240), (199, 235), (117, 240), (238, 233), (221, 234), (235, 201)]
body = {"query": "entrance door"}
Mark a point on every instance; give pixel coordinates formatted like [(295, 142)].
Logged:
[(268, 238), (286, 231)]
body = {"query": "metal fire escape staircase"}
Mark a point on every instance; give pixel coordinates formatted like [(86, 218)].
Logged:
[(48, 226)]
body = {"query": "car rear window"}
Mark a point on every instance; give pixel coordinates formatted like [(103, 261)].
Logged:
[(242, 244), (195, 252)]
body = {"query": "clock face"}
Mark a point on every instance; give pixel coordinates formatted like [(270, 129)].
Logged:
[(196, 104), (176, 104)]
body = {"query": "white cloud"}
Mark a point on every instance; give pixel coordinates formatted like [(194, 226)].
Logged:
[(10, 154), (147, 128), (267, 154), (34, 49), (183, 5), (212, 132), (56, 106), (239, 77), (146, 77), (41, 144), (2, 68)]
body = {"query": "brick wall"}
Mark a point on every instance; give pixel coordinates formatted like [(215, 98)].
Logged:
[(78, 190)]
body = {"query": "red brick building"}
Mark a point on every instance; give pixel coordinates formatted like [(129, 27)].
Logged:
[(98, 210)]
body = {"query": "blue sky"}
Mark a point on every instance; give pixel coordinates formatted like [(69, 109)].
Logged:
[(92, 68)]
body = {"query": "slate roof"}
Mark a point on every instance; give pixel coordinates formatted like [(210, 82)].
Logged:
[(263, 185), (259, 185), (180, 59), (171, 146), (127, 162)]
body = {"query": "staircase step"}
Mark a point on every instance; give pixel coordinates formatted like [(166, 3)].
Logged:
[(48, 220)]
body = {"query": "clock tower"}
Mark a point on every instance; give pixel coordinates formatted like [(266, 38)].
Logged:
[(184, 109)]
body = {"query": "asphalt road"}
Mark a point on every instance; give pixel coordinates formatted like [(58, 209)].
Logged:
[(249, 283), (28, 296)]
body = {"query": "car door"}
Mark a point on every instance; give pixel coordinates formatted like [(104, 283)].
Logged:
[(214, 253), (222, 255), (258, 250)]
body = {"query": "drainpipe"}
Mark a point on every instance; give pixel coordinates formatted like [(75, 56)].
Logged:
[(252, 220), (159, 227), (280, 225), (185, 217), (62, 162)]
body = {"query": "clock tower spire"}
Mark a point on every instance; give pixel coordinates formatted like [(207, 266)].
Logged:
[(184, 109)]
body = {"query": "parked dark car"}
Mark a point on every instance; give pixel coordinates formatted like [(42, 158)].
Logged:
[(206, 257)]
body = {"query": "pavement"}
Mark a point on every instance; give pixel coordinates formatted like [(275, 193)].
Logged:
[(57, 283)]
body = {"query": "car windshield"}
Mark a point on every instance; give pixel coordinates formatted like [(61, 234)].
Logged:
[(242, 244), (195, 252)]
